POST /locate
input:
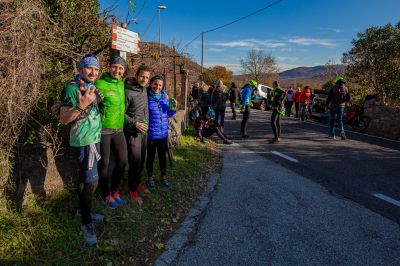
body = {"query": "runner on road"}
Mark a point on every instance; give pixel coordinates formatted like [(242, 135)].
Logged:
[(246, 103), (278, 97)]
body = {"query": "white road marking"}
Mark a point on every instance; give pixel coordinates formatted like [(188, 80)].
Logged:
[(285, 156), (386, 198)]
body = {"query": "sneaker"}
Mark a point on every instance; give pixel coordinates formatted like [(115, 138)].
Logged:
[(118, 199), (89, 235), (165, 183), (110, 201), (151, 184), (98, 218), (142, 188), (331, 137), (245, 136), (343, 136), (227, 142), (274, 140), (136, 198)]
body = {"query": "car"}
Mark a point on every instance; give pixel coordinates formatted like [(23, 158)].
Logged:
[(319, 108), (262, 97)]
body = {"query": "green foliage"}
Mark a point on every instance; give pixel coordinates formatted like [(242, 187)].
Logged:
[(47, 233), (374, 60)]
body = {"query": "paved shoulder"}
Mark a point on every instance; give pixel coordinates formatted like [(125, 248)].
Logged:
[(264, 214)]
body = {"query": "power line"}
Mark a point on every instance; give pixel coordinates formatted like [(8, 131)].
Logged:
[(239, 19), (195, 38), (230, 23)]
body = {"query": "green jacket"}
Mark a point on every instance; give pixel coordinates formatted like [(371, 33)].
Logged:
[(113, 108)]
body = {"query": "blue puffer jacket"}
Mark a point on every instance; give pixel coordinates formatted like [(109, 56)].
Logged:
[(158, 116)]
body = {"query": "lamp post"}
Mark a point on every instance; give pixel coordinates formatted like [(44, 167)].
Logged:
[(159, 8)]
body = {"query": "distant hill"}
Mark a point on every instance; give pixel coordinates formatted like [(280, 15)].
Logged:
[(301, 76), (313, 76)]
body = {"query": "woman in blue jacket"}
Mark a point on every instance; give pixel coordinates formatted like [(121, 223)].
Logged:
[(159, 111)]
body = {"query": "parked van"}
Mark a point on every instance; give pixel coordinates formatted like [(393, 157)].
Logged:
[(262, 97)]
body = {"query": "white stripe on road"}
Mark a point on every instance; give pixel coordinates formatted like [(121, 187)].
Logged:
[(285, 156), (386, 198)]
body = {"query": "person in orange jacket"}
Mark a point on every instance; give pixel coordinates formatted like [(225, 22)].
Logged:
[(296, 99), (304, 102)]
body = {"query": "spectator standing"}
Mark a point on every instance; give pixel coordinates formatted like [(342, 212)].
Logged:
[(304, 100), (337, 98), (233, 98), (289, 102), (195, 92), (296, 99), (218, 103)]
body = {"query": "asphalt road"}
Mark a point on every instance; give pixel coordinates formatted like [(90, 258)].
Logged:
[(365, 169), (265, 213)]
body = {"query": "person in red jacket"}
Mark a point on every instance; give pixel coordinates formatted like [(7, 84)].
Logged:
[(304, 102), (296, 99)]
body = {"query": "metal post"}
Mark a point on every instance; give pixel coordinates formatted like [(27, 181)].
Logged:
[(174, 78), (202, 54), (159, 31)]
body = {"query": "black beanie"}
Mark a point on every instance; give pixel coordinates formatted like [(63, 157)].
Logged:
[(120, 61)]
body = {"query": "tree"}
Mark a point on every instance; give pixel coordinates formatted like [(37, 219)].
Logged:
[(215, 73), (259, 65), (374, 60)]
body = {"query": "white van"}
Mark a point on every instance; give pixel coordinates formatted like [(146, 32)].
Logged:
[(262, 97)]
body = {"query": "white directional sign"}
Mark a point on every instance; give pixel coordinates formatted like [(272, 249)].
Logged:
[(125, 40)]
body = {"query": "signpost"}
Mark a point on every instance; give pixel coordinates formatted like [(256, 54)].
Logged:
[(125, 40)]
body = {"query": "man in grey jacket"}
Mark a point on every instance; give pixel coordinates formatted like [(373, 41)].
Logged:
[(337, 98), (135, 128)]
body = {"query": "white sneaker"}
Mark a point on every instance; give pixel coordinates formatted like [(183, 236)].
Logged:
[(331, 137)]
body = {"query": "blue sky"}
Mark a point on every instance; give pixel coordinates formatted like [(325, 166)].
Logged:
[(295, 32)]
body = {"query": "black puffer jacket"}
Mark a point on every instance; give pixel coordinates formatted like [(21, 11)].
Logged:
[(218, 99), (136, 105)]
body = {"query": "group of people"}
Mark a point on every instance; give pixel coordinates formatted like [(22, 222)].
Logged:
[(212, 100), (124, 116)]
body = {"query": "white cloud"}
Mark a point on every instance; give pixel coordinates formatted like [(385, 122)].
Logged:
[(234, 44), (290, 59), (217, 50), (310, 41), (252, 43)]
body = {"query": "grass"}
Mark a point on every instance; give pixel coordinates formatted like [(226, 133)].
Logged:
[(48, 232)]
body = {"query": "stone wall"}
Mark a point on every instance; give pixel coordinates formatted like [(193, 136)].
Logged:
[(385, 120)]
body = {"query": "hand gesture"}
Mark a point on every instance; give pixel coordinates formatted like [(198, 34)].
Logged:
[(142, 127), (56, 107), (87, 99)]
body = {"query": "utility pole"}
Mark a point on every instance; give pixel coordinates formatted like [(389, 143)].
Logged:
[(202, 54), (174, 78)]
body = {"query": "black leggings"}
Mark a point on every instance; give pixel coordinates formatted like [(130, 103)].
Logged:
[(136, 156), (161, 145), (117, 143), (210, 130), (246, 116), (276, 123)]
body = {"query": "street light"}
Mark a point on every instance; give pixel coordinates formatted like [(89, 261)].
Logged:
[(159, 8)]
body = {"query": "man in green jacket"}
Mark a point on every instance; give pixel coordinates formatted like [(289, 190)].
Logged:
[(111, 85)]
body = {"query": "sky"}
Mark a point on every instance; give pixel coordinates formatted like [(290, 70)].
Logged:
[(296, 32)]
